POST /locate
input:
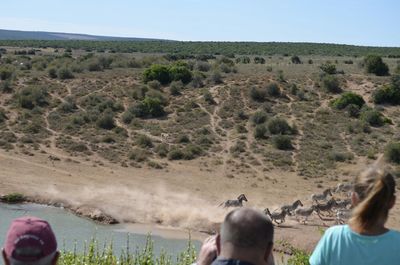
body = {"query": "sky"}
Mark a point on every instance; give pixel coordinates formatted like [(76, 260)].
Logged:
[(359, 22)]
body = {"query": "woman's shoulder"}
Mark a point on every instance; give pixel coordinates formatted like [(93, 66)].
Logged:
[(336, 229), (395, 233)]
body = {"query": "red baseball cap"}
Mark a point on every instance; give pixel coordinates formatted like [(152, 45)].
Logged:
[(29, 239)]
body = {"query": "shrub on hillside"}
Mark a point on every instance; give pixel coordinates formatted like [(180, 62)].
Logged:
[(259, 117), (348, 98), (6, 73), (259, 60), (6, 87), (175, 154), (279, 126), (260, 131), (208, 97), (175, 88), (375, 65), (52, 72), (106, 121), (144, 141), (197, 80), (331, 84), (202, 66), (389, 93), (328, 68), (273, 90), (392, 152), (157, 72), (65, 73), (154, 84), (295, 59), (282, 142), (258, 94), (3, 116), (373, 117), (353, 110), (30, 97), (138, 155), (216, 78), (180, 72)]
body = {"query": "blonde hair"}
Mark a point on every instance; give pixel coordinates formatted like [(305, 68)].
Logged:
[(375, 189)]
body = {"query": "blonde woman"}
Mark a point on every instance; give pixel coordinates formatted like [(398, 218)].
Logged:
[(365, 239)]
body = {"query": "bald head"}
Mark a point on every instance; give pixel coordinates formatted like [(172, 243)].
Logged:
[(247, 228)]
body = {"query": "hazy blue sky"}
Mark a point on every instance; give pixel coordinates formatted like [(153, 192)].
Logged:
[(364, 22)]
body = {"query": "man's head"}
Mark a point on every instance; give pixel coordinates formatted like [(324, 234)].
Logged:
[(30, 241), (246, 234)]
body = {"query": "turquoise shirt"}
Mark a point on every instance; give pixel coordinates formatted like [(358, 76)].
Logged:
[(340, 245)]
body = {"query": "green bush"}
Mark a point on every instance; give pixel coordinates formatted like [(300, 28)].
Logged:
[(208, 97), (165, 74), (372, 117), (52, 72), (144, 141), (353, 110), (65, 73), (13, 198), (273, 90), (340, 156), (127, 117), (295, 59), (282, 142), (176, 87), (157, 72), (154, 84), (389, 93), (162, 149), (6, 73), (6, 87), (260, 131), (279, 126), (3, 116), (106, 121), (259, 117), (392, 152), (30, 97), (375, 65), (258, 94), (348, 98), (154, 107), (138, 155), (175, 154), (328, 68), (180, 72), (331, 84), (216, 78)]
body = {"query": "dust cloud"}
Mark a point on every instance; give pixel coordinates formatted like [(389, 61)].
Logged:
[(155, 206)]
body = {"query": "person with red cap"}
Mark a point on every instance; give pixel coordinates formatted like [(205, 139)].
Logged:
[(30, 241)]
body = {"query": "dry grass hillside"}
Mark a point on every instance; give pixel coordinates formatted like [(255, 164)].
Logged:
[(91, 129)]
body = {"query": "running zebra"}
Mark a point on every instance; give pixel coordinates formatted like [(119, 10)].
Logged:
[(289, 208), (234, 203), (321, 197), (276, 216)]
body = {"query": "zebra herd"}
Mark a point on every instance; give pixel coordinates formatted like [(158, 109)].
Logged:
[(340, 208)]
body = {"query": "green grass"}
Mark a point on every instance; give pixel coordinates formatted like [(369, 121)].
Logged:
[(94, 255), (13, 198)]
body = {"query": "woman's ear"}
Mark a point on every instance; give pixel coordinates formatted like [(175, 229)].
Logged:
[(218, 241)]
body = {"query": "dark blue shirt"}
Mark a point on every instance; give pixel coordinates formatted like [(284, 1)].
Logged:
[(230, 262)]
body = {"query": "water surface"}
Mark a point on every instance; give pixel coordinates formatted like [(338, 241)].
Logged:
[(72, 230)]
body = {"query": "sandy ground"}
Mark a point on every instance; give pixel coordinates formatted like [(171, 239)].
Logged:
[(181, 198)]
